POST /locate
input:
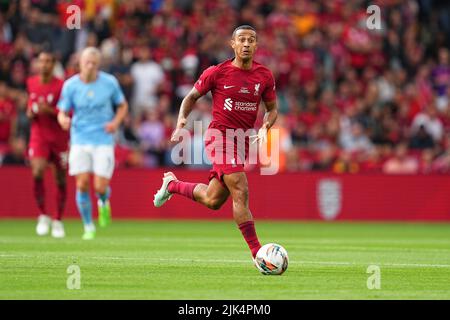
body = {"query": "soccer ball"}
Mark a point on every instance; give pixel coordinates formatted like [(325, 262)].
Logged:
[(272, 259)]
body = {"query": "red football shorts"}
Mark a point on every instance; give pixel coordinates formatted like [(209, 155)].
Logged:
[(55, 151), (226, 156)]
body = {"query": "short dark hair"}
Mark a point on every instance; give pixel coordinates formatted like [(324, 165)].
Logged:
[(243, 27), (49, 53)]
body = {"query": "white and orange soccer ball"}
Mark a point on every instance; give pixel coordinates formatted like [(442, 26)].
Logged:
[(272, 259)]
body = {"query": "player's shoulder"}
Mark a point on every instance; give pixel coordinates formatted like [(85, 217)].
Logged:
[(107, 77), (217, 67), (209, 71), (261, 68), (73, 80), (58, 82), (224, 64), (31, 80)]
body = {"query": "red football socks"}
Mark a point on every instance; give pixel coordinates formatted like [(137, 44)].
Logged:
[(60, 201), (39, 194), (184, 188), (249, 233)]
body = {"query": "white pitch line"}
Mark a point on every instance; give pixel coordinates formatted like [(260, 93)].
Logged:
[(297, 262)]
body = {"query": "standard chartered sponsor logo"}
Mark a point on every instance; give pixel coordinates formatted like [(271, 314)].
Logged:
[(238, 105), (245, 106), (228, 104)]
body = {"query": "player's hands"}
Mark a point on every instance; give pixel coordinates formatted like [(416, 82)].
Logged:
[(64, 121), (41, 107), (44, 108), (111, 127), (261, 137), (176, 133), (30, 113)]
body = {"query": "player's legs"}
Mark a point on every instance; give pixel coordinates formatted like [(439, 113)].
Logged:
[(238, 186), (59, 159), (60, 178), (38, 165), (84, 204), (212, 195), (80, 166), (103, 158), (61, 195), (103, 192)]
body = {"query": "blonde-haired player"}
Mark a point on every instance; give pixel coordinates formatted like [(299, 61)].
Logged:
[(99, 108)]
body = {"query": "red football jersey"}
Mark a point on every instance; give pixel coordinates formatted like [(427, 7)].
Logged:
[(45, 126), (236, 93)]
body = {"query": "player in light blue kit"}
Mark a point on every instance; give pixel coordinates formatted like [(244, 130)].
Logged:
[(92, 95)]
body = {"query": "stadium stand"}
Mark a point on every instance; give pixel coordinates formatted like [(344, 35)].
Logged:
[(352, 99)]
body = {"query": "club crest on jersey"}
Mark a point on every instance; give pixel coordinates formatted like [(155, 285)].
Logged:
[(90, 94), (257, 88)]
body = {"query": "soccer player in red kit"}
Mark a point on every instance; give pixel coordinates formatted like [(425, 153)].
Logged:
[(48, 142), (237, 85)]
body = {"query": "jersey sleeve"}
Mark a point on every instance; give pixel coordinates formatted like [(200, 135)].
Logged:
[(117, 97), (269, 93), (206, 81), (65, 100)]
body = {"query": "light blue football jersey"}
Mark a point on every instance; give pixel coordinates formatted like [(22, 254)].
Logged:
[(93, 107)]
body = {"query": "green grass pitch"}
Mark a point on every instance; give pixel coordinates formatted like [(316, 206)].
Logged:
[(210, 260)]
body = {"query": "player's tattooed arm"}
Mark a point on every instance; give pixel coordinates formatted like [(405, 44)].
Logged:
[(271, 114), (269, 119), (185, 109)]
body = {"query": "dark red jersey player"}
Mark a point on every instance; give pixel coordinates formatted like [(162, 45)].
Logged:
[(48, 142), (236, 94), (237, 87)]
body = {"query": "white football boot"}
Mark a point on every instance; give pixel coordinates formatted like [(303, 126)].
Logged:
[(58, 229), (163, 194), (43, 226)]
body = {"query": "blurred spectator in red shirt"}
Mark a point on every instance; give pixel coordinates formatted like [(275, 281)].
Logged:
[(7, 118), (401, 162)]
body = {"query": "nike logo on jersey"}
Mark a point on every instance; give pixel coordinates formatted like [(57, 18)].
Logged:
[(228, 87)]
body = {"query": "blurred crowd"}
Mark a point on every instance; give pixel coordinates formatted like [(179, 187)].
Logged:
[(351, 99)]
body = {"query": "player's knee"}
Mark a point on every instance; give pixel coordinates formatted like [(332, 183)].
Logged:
[(214, 204), (38, 172), (61, 180), (100, 189), (83, 185), (238, 187), (240, 194)]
